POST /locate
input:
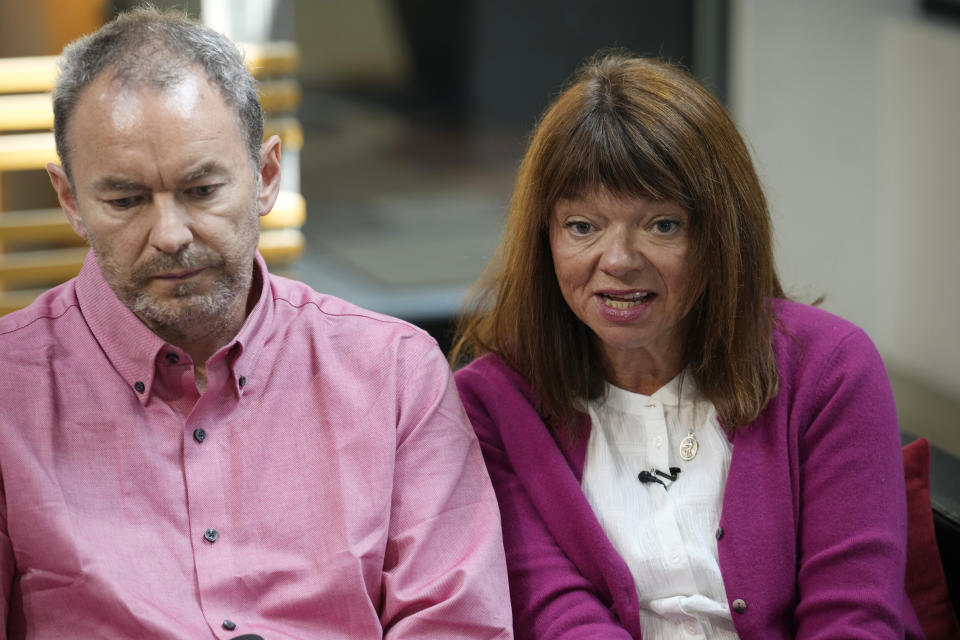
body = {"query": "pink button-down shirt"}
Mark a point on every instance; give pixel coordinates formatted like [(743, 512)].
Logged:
[(326, 484)]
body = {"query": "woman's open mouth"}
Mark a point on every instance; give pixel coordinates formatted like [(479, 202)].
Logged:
[(626, 300)]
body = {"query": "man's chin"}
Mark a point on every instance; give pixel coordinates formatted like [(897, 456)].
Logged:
[(195, 305), (180, 311)]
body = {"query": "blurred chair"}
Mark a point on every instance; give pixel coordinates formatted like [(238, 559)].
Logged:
[(933, 537)]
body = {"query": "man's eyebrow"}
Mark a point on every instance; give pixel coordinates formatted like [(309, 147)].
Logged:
[(114, 183), (203, 170), (110, 183)]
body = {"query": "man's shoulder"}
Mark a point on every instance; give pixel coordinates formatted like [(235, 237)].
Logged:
[(294, 299), (50, 308), (36, 339)]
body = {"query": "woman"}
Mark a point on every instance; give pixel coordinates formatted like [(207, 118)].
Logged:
[(676, 447)]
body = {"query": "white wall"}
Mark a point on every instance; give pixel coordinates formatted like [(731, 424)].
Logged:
[(852, 108), (921, 174)]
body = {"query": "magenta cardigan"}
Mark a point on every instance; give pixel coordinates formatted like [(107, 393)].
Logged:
[(813, 529)]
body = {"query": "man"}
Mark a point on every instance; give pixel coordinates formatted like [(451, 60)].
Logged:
[(191, 447)]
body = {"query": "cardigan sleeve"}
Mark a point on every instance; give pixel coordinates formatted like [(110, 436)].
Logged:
[(852, 504), (550, 597)]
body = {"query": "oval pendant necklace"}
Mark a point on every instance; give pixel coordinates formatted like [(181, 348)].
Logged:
[(689, 447)]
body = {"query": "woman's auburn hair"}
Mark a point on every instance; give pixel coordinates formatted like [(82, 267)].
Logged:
[(645, 128)]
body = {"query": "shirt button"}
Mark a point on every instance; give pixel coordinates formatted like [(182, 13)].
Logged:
[(173, 358), (675, 557), (211, 535), (739, 605), (691, 628), (229, 625), (719, 533), (242, 381), (658, 441), (139, 386), (199, 435)]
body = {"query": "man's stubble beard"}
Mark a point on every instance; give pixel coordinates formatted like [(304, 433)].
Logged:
[(185, 312)]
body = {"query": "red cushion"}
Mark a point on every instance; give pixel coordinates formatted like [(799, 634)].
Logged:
[(925, 581)]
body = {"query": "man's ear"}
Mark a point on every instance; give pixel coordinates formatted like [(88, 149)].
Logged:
[(269, 174), (61, 184)]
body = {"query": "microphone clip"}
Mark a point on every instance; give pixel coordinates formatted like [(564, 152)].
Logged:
[(648, 477)]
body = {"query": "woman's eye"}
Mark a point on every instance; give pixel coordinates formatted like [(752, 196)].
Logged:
[(666, 227), (579, 227)]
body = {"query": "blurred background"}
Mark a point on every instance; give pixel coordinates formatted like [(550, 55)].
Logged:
[(404, 122)]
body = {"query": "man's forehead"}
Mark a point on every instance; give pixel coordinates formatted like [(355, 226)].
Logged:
[(181, 94), (133, 133), (113, 108)]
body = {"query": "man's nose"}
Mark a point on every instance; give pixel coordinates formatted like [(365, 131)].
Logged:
[(622, 253), (171, 225)]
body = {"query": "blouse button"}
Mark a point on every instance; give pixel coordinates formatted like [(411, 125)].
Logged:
[(658, 441), (739, 605)]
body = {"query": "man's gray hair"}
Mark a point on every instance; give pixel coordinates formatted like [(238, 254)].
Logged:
[(146, 47)]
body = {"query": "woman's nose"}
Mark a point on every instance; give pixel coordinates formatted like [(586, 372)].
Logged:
[(621, 254)]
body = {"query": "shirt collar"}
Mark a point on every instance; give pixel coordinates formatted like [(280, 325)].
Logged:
[(128, 343), (254, 333), (667, 395), (133, 348), (682, 387)]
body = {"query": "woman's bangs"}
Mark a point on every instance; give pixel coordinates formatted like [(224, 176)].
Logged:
[(606, 153)]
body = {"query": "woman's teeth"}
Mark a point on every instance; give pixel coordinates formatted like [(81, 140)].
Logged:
[(626, 301)]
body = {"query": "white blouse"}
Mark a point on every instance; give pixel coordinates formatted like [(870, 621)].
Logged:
[(666, 535)]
